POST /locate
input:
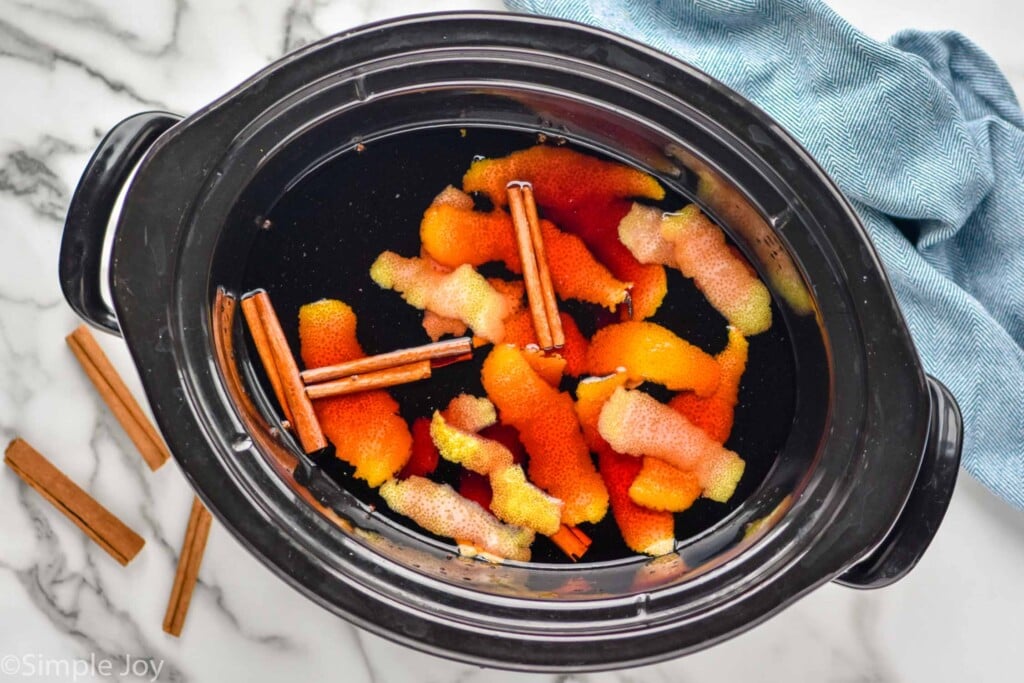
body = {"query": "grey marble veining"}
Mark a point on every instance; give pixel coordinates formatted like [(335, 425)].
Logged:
[(69, 69)]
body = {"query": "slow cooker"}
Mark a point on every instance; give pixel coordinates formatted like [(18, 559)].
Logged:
[(854, 495)]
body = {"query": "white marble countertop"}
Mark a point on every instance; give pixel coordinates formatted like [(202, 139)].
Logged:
[(69, 70)]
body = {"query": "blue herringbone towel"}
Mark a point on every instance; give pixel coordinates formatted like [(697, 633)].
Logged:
[(925, 136)]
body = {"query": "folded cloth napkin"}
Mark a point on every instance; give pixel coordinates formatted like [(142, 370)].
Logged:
[(925, 137)]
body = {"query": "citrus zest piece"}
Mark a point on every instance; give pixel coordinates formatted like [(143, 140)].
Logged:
[(519, 332), (425, 455), (439, 509), (653, 353), (365, 428), (714, 414), (635, 423), (462, 294), (661, 486), (470, 413), (465, 448), (725, 280), (516, 501), (559, 460), (643, 530), (454, 236), (559, 174)]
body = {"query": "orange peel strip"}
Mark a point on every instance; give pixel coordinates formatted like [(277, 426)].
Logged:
[(661, 486), (513, 499), (653, 353), (365, 428), (470, 413), (546, 419), (644, 530), (714, 414), (559, 174), (455, 236), (437, 326), (519, 332), (596, 223), (725, 280), (587, 197), (635, 423), (425, 455), (473, 452), (550, 367), (439, 509), (640, 232), (516, 501), (463, 294)]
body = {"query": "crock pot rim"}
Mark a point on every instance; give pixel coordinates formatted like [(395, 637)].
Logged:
[(152, 338)]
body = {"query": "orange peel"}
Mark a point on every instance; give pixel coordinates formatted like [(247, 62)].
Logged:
[(517, 501), (724, 278), (436, 326), (587, 197), (640, 232), (455, 236), (365, 428), (424, 457), (465, 448), (513, 499), (439, 509), (462, 294), (559, 459), (596, 223), (653, 353), (661, 486), (559, 174), (714, 414), (470, 413), (550, 367), (519, 332), (643, 530), (635, 423)]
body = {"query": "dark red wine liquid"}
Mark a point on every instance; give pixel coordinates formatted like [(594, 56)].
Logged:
[(322, 236)]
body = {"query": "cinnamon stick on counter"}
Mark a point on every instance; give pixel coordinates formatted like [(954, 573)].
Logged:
[(189, 560), (115, 394), (96, 521)]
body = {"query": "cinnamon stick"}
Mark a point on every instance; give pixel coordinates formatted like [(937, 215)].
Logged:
[(259, 337), (547, 289), (303, 418), (189, 560), (380, 379), (118, 398), (531, 277), (98, 523), (572, 541), (436, 363), (447, 349)]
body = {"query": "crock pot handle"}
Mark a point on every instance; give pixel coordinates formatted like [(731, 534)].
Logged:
[(81, 248), (916, 526)]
